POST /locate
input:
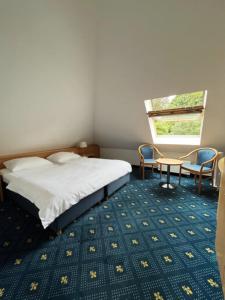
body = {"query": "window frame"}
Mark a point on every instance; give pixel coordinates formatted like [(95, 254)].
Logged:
[(176, 139)]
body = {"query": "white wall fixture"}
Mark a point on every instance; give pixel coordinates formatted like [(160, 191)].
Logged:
[(83, 144)]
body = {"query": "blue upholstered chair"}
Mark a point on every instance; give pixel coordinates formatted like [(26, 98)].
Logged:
[(146, 153), (204, 164)]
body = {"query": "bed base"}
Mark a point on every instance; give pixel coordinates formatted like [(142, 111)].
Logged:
[(117, 184), (76, 210)]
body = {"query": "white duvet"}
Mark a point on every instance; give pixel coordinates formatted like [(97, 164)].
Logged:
[(55, 188)]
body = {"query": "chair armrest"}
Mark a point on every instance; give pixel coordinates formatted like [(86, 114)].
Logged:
[(189, 154), (141, 157), (157, 150), (208, 161)]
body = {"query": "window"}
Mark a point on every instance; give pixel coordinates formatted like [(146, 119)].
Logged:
[(177, 119)]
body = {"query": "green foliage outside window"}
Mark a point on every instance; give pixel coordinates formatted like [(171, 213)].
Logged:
[(178, 127), (184, 100)]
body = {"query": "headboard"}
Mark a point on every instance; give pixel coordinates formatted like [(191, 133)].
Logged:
[(43, 154)]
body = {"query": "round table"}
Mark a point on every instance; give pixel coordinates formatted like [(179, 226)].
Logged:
[(168, 162)]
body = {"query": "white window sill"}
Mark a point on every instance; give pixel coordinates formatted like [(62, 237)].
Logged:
[(177, 140)]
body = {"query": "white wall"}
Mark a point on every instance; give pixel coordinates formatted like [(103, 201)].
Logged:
[(152, 48), (47, 60), (62, 79)]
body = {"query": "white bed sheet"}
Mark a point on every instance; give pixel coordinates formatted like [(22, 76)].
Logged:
[(5, 175), (55, 188)]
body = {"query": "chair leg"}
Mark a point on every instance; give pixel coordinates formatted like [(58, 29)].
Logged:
[(180, 176), (59, 232), (160, 171), (213, 177), (143, 172), (195, 178), (200, 184)]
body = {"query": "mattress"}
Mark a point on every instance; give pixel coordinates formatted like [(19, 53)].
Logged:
[(55, 188)]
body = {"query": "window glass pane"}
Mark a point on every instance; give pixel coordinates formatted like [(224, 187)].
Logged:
[(185, 125)]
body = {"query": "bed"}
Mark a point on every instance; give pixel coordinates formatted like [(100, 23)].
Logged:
[(59, 194)]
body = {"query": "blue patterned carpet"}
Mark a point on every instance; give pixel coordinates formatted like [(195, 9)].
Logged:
[(144, 243)]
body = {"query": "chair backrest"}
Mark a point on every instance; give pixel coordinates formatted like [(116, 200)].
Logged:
[(204, 155), (147, 151)]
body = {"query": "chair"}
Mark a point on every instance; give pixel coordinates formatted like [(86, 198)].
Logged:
[(146, 153), (204, 164)]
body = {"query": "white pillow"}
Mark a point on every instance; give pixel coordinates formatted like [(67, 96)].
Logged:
[(19, 164), (62, 157)]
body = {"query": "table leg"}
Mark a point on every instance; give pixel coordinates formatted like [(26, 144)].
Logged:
[(167, 185), (168, 175)]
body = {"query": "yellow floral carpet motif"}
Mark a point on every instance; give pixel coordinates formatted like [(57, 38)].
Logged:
[(143, 243)]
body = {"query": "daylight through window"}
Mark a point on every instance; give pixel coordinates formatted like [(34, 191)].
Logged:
[(177, 119)]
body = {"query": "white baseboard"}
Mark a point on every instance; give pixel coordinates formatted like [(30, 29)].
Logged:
[(132, 157)]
